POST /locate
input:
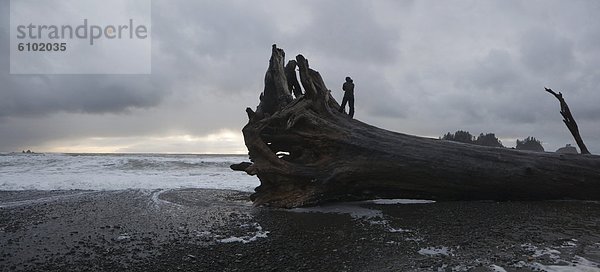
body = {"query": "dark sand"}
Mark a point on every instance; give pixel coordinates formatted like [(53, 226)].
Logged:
[(191, 230)]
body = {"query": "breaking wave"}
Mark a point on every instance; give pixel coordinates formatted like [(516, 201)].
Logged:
[(121, 171)]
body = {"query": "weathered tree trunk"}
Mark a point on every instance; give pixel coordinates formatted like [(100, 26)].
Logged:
[(305, 152), (569, 121)]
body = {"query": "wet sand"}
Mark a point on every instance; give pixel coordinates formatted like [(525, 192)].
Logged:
[(219, 230)]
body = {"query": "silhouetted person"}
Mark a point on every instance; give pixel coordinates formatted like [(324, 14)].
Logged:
[(348, 88), (292, 80)]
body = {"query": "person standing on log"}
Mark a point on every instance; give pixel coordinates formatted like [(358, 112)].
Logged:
[(348, 88), (290, 74)]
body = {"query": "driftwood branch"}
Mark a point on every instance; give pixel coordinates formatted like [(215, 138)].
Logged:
[(305, 152), (569, 121)]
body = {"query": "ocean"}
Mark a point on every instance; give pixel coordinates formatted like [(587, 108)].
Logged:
[(57, 171)]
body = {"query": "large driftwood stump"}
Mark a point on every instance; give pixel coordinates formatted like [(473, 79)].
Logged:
[(305, 152)]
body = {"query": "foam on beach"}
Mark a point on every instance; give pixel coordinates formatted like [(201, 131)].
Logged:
[(497, 268), (253, 236), (399, 201), (576, 264), (351, 208), (357, 211), (435, 251)]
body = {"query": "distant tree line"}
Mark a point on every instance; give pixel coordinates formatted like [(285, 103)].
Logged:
[(530, 143), (490, 139)]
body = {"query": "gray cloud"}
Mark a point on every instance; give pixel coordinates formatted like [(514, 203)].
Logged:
[(39, 95), (420, 67), (348, 30), (546, 53)]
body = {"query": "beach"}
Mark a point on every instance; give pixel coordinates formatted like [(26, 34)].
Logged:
[(220, 230)]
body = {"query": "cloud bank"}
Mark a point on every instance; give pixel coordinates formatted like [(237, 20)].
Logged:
[(420, 67)]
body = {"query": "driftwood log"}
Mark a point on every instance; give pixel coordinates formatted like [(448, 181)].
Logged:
[(569, 120), (305, 152)]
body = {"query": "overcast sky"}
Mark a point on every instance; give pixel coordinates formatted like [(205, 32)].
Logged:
[(420, 67)]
